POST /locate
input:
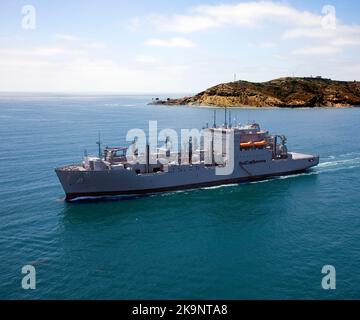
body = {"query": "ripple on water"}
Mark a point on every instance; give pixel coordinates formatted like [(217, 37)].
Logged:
[(266, 239)]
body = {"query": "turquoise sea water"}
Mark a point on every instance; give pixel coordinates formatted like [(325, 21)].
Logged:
[(264, 240)]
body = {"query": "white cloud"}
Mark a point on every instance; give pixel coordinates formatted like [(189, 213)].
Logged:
[(325, 41), (298, 24), (46, 51), (248, 14), (341, 35), (262, 45), (95, 45), (66, 37), (134, 24), (145, 59), (308, 33), (173, 42), (317, 50), (71, 40), (60, 69), (184, 24), (346, 41)]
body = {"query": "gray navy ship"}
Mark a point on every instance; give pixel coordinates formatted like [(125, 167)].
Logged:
[(256, 155)]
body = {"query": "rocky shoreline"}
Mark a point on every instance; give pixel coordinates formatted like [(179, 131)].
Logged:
[(283, 93)]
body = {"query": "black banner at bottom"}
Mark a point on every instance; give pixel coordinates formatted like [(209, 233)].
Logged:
[(173, 309)]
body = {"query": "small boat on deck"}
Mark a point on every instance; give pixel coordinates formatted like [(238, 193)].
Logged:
[(246, 145), (260, 144)]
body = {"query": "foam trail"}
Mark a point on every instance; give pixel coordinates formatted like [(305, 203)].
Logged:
[(349, 154), (344, 164), (221, 186)]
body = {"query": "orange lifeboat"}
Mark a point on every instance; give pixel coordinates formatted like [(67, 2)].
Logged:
[(260, 144), (246, 145)]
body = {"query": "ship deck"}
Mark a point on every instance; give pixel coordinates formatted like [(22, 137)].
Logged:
[(299, 156)]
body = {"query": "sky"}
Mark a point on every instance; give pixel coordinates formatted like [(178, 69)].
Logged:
[(162, 46)]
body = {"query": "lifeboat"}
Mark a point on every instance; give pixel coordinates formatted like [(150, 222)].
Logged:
[(246, 145), (260, 144)]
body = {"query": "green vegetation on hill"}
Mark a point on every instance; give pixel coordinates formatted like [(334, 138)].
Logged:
[(282, 92)]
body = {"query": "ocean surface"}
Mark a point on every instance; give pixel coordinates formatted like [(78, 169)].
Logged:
[(263, 240)]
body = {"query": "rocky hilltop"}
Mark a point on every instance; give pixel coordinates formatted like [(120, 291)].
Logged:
[(282, 92)]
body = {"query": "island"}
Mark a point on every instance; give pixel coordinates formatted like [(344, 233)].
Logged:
[(288, 92)]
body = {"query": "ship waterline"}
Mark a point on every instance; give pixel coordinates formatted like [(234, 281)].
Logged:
[(116, 192)]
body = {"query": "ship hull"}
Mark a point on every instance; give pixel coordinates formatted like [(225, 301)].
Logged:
[(98, 194), (77, 184)]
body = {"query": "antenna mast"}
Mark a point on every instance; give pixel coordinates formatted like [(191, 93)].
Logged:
[(99, 145), (225, 117)]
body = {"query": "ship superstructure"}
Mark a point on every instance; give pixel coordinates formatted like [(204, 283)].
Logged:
[(255, 155)]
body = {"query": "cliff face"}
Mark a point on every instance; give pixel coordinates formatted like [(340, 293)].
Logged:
[(283, 92)]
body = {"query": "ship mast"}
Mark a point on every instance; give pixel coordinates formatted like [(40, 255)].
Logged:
[(214, 126), (99, 145), (225, 124)]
